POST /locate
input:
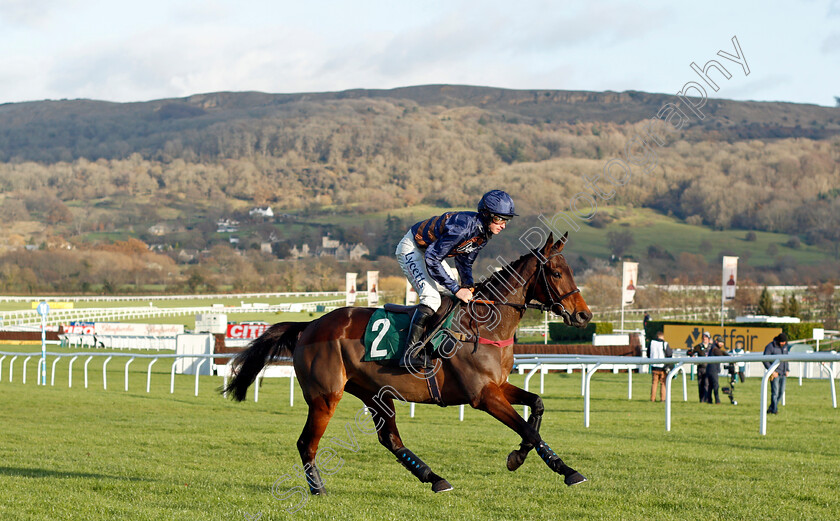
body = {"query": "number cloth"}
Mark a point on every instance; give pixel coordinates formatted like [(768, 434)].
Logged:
[(386, 333)]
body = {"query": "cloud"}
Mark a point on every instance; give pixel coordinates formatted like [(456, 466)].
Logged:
[(831, 43), (496, 48), (160, 64), (30, 13), (752, 89)]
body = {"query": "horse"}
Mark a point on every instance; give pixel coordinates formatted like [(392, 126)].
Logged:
[(328, 353)]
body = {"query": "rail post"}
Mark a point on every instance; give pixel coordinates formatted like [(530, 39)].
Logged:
[(588, 392), (12, 368), (172, 377), (149, 374), (668, 381), (105, 372), (537, 367), (198, 372), (764, 379), (70, 371), (126, 371), (86, 370), (25, 361)]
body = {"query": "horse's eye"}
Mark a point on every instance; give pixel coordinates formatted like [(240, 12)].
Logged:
[(557, 274)]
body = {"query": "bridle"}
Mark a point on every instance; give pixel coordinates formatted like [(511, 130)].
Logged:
[(540, 272), (550, 290)]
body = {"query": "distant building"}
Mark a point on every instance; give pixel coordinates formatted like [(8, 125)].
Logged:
[(158, 229), (298, 253), (265, 247), (331, 248), (227, 226), (261, 212), (358, 251), (329, 245), (187, 256)]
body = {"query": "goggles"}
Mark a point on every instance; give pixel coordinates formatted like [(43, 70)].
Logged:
[(499, 219)]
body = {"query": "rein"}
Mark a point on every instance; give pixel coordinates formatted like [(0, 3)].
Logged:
[(540, 306), (554, 301)]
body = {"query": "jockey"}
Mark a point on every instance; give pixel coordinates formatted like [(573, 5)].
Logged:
[(422, 250)]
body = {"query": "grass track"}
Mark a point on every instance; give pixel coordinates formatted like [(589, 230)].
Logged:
[(79, 454)]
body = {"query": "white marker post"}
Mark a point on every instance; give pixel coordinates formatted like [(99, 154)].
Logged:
[(43, 310)]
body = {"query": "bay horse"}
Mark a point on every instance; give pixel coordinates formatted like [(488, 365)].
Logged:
[(328, 353)]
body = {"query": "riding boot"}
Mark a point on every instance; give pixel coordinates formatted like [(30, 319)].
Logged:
[(413, 345)]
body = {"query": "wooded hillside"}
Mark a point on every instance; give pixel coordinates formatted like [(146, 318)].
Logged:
[(76, 168)]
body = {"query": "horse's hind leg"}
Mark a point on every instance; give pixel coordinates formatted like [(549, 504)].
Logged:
[(493, 401), (517, 396), (384, 418), (321, 409)]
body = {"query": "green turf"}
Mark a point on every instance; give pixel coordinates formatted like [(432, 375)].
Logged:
[(83, 454), (652, 228)]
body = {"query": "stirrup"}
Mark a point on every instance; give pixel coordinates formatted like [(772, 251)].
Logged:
[(420, 360)]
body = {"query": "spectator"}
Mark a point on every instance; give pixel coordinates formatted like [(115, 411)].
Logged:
[(740, 367), (777, 380), (713, 371), (701, 349), (659, 349), (645, 320)]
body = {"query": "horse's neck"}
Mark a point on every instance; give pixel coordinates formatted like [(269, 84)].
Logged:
[(512, 289)]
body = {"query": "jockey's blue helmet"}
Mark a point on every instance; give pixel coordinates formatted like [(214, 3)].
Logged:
[(497, 202)]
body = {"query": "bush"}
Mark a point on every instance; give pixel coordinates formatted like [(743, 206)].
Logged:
[(559, 332), (794, 243), (800, 331)]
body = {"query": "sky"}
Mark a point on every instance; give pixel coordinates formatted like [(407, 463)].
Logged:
[(138, 51)]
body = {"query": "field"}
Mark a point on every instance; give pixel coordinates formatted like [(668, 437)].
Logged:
[(90, 454)]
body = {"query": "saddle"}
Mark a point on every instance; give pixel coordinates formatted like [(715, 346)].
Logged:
[(446, 305)]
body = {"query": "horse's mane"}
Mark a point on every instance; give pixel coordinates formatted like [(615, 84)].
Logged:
[(503, 274)]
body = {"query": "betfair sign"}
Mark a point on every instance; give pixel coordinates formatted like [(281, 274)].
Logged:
[(754, 338)]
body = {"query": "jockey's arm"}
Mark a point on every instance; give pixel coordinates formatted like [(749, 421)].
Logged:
[(464, 263), (434, 256)]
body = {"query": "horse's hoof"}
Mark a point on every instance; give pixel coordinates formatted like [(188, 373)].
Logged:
[(574, 478), (514, 460), (441, 485)]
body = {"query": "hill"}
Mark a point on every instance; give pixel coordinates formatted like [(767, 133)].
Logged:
[(82, 173), (64, 130)]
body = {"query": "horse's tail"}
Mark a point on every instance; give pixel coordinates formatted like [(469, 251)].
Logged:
[(248, 364)]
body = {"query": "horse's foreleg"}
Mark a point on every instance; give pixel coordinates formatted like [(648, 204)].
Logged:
[(384, 417), (321, 409), (492, 400), (517, 396)]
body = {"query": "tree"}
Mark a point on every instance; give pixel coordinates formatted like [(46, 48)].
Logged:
[(765, 303), (619, 242), (792, 306)]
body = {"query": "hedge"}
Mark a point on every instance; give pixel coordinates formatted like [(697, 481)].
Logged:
[(560, 332), (800, 331)]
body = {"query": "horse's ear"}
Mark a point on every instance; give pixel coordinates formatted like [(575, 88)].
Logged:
[(558, 246), (548, 243)]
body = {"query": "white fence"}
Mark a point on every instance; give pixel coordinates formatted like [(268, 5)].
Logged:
[(59, 316), (131, 298), (588, 364), (224, 370), (592, 363), (156, 343)]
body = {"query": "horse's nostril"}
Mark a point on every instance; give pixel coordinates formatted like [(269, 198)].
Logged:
[(584, 316)]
